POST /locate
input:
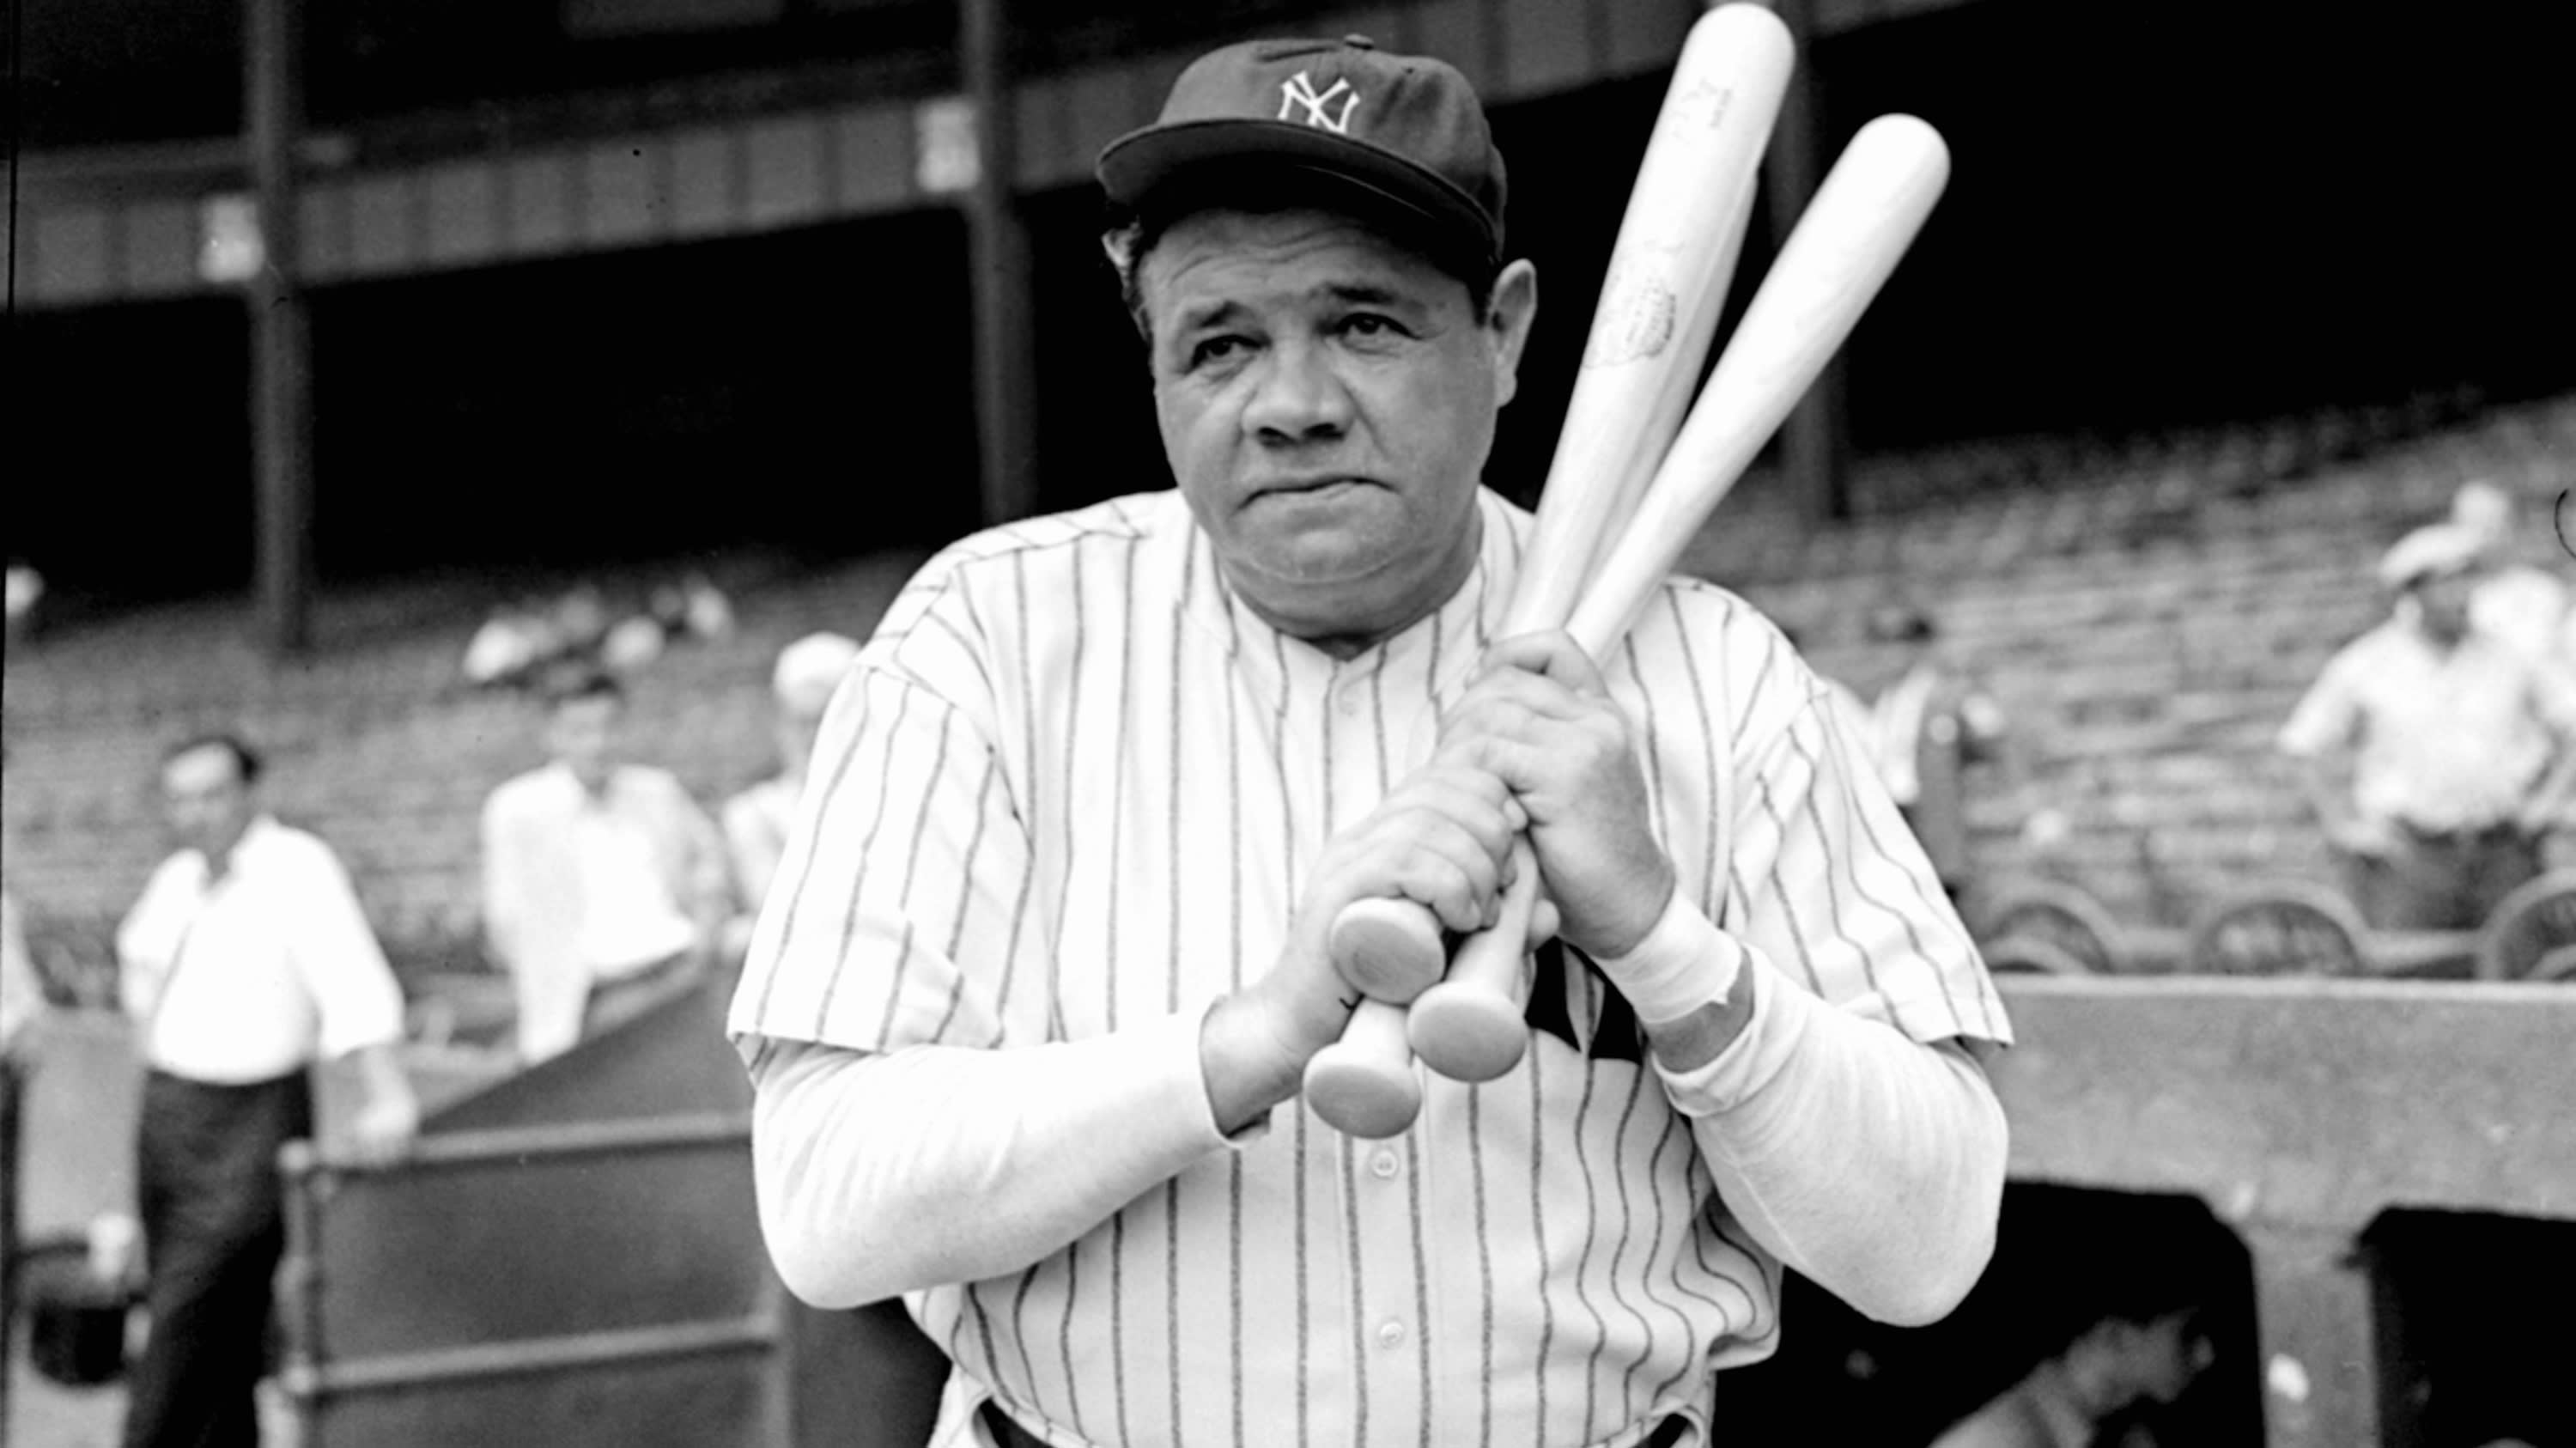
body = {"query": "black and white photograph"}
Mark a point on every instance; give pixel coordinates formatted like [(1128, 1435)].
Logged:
[(1271, 724)]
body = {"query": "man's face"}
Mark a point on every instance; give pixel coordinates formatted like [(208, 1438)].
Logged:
[(2444, 599), (581, 734), (205, 801), (1326, 400)]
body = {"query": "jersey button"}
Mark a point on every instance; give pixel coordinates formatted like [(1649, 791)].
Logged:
[(1384, 1164), (1390, 1334)]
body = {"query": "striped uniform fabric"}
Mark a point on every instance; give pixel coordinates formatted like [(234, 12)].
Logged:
[(1074, 786)]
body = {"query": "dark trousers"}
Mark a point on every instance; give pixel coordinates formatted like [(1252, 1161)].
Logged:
[(2441, 881), (214, 1227)]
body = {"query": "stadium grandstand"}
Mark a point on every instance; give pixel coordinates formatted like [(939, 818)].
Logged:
[(783, 294)]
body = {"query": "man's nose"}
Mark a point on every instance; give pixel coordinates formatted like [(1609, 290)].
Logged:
[(1299, 397)]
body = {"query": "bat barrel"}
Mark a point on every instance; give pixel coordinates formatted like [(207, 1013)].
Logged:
[(1660, 300), (1850, 238)]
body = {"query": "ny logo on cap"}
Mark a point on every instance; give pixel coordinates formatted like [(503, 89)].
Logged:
[(1298, 93)]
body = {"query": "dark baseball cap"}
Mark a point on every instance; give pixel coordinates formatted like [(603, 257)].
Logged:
[(1399, 130)]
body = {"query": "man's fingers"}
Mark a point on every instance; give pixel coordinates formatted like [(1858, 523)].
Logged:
[(1488, 812), (1553, 655), (1448, 887)]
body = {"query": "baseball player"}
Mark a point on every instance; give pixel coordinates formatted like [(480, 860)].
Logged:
[(1028, 1007)]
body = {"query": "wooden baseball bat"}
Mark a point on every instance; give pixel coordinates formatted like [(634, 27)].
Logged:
[(1848, 241), (1844, 247), (1676, 250)]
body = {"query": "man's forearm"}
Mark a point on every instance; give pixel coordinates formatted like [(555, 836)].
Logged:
[(1868, 1161), (2328, 796), (882, 1174)]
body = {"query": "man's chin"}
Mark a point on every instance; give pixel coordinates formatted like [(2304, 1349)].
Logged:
[(1325, 564)]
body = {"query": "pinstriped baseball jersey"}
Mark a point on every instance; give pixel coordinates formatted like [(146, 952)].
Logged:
[(1076, 786)]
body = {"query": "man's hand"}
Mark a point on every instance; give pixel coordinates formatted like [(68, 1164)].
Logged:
[(383, 1129), (1441, 838), (389, 1118), (1541, 719)]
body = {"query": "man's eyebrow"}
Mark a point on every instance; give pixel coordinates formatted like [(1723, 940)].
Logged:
[(1363, 294), (1227, 312), (1203, 315)]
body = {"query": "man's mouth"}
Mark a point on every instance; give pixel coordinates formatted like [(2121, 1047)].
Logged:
[(1303, 487)]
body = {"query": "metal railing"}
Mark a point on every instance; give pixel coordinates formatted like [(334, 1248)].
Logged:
[(500, 1285)]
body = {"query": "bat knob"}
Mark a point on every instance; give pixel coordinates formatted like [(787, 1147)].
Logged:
[(1364, 1084), (1467, 1034), (1389, 950)]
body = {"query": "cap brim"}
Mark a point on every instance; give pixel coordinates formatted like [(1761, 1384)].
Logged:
[(1143, 166)]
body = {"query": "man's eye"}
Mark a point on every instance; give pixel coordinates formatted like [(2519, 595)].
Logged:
[(1369, 324), (1215, 349)]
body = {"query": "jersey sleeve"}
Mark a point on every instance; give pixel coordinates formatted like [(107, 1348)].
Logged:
[(2328, 716), (1825, 879), (355, 995), (901, 912)]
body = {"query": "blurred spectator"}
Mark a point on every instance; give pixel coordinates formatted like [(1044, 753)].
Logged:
[(2095, 1390), (631, 643), (25, 590), (1927, 725), (22, 988), (2519, 604), (1847, 707), (602, 880), (693, 607), (2459, 749), (518, 644), (756, 820), (246, 959)]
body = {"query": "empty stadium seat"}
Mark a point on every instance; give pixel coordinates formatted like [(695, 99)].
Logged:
[(2286, 927), (2070, 929), (2531, 935)]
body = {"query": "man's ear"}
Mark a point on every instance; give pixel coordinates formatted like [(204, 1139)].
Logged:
[(1507, 324)]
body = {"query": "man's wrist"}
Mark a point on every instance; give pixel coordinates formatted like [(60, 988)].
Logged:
[(1682, 964), (1248, 1058), (1628, 942)]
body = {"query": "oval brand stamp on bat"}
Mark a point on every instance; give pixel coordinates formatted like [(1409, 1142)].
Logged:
[(1635, 321)]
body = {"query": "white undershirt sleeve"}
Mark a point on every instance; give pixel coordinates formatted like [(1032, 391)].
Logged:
[(1870, 1162), (884, 1174)]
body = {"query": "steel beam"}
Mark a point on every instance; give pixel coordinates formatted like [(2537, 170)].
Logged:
[(1002, 286), (281, 369)]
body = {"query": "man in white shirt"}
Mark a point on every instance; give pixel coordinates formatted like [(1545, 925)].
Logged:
[(2435, 753), (1927, 726), (1028, 1009), (2515, 602), (603, 882), (756, 821), (246, 959), (22, 991)]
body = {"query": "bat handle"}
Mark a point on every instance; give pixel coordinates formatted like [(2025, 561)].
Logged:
[(1364, 1084), (1473, 1025), (1390, 949)]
